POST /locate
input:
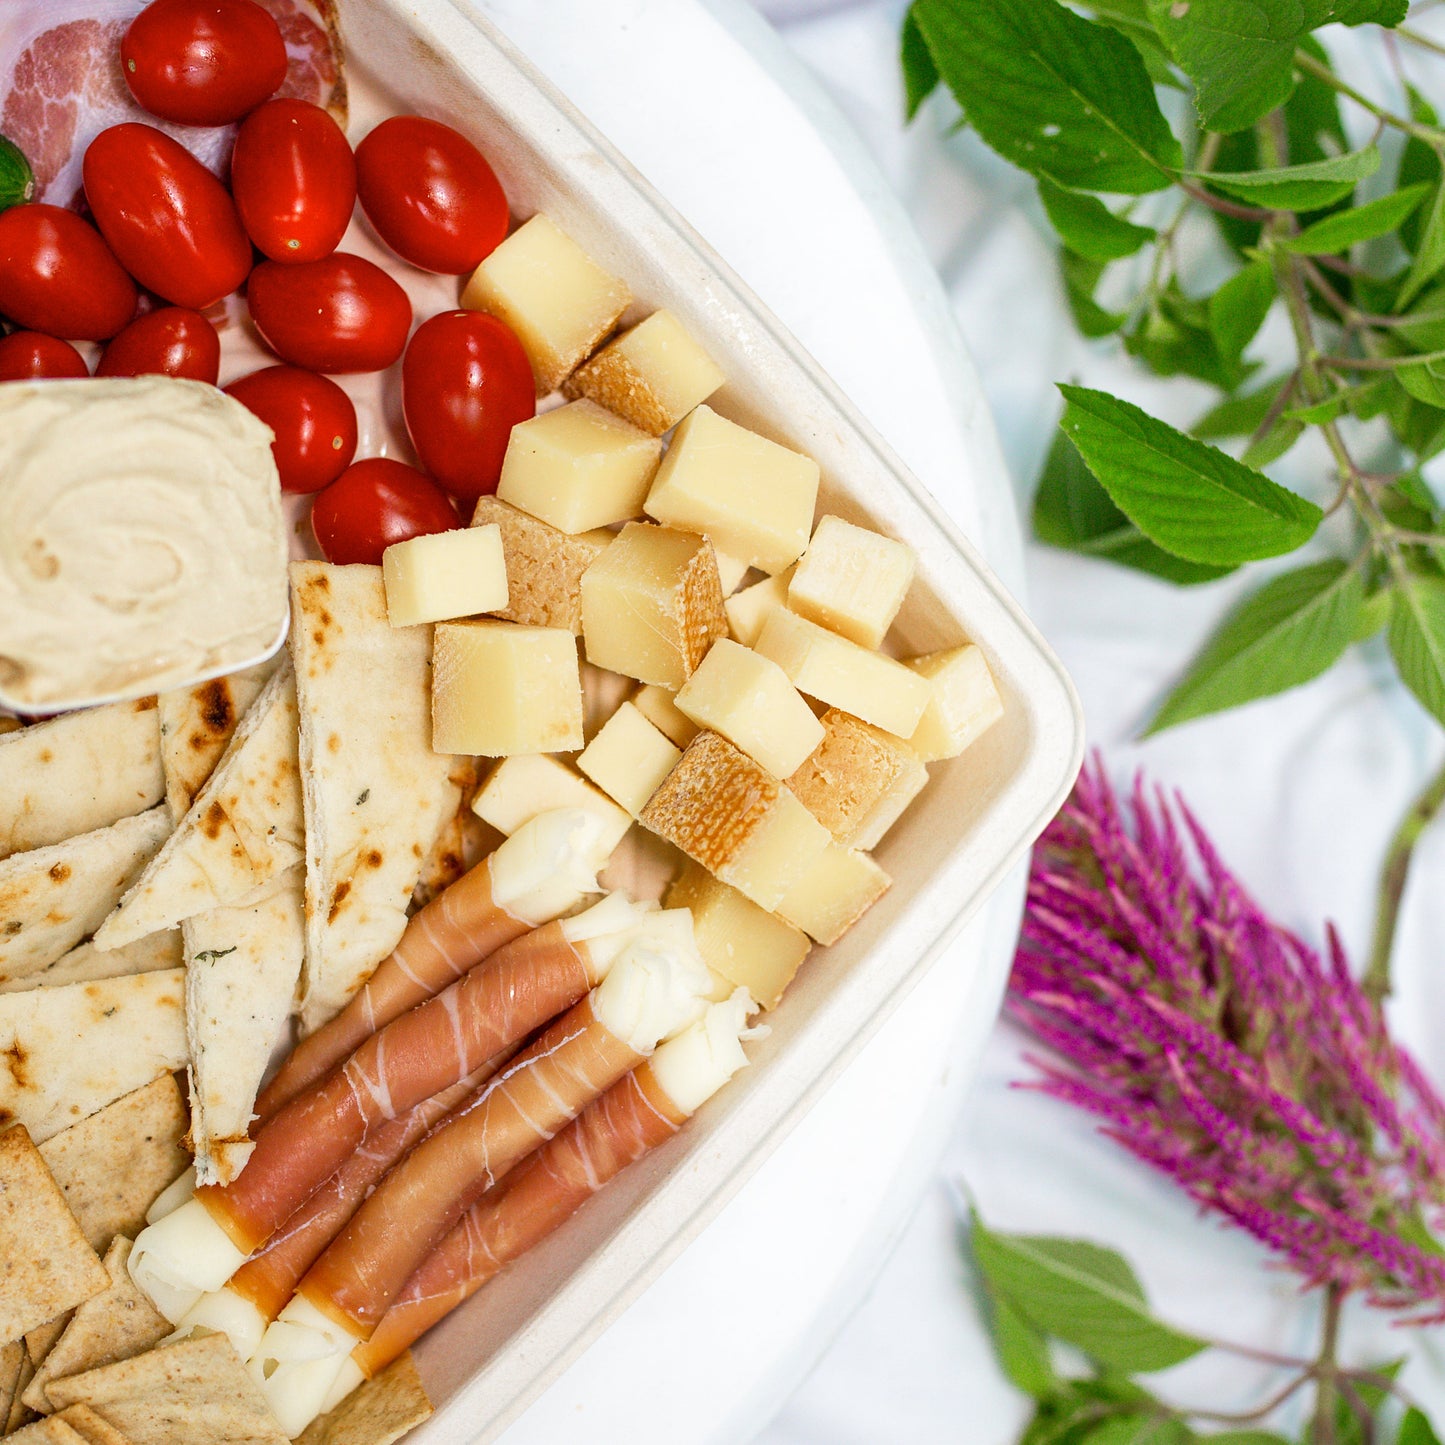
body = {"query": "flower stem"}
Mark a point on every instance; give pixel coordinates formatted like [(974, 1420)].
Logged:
[(1322, 1432), (1393, 878), (1430, 134)]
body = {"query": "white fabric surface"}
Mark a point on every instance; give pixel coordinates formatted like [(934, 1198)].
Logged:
[(1301, 792)]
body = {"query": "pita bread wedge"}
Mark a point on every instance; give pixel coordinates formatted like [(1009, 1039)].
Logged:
[(20, 1412), (45, 1264), (241, 970), (376, 794), (78, 772), (376, 1412), (52, 897), (85, 962), (463, 840), (48, 1432), (196, 724), (66, 1052), (40, 1341), (182, 1394), (113, 1165), (11, 1356), (243, 830), (94, 1429), (114, 1325)]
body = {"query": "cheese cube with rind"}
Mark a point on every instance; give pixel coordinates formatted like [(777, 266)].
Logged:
[(844, 675), (963, 705), (659, 706), (652, 604), (730, 814), (751, 703), (519, 788), (859, 780), (578, 467), (748, 610), (629, 758), (544, 566), (444, 575), (834, 894), (557, 299), (653, 374), (745, 944), (753, 497), (499, 688), (851, 581)]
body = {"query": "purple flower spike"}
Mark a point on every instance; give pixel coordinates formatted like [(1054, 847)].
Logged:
[(1224, 1052)]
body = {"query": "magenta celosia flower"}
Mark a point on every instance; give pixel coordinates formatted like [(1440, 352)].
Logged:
[(1224, 1051)]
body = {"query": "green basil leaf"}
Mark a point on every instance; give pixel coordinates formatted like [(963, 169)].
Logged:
[(1371, 398), (1088, 227), (1237, 310), (1023, 1352), (1375, 614), (1240, 53), (920, 74), (1072, 511), (1330, 409), (1190, 498), (1290, 631), (1140, 1429), (1274, 443), (1083, 1294), (1175, 337), (1363, 223), (1238, 416), (1248, 1437), (1315, 127), (1081, 275), (1348, 1429), (1417, 638), (1429, 251), (1424, 326), (1056, 94), (1418, 162), (1299, 188), (1416, 1429), (1424, 380)]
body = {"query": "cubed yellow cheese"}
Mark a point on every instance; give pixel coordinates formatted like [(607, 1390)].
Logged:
[(834, 894), (544, 565), (842, 674), (629, 758), (743, 943), (963, 705), (499, 688), (748, 610), (753, 497), (557, 299), (751, 703), (730, 573), (851, 581), (859, 779), (659, 707), (445, 574), (653, 374), (652, 604), (520, 788), (579, 467), (735, 818)]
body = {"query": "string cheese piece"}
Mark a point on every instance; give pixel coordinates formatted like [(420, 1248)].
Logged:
[(750, 701), (652, 605), (629, 757), (851, 581), (748, 610), (522, 787), (659, 706), (443, 575), (842, 674), (500, 688), (182, 1256), (834, 893), (963, 704), (653, 374), (578, 467), (753, 497), (557, 299)]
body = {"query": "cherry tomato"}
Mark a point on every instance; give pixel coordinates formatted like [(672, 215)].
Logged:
[(465, 383), (294, 180), (170, 222), (375, 503), (430, 194), (341, 313), (170, 342), (313, 419), (203, 62), (34, 356), (58, 276)]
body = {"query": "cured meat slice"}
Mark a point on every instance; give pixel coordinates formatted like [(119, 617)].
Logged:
[(61, 82)]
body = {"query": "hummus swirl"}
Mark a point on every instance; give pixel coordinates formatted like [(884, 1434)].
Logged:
[(142, 543)]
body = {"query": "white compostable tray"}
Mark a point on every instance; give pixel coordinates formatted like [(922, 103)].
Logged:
[(969, 826)]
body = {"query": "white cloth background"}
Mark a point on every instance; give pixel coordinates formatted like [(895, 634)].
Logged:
[(1301, 792)]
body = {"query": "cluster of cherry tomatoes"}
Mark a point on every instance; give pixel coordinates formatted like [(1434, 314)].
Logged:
[(164, 223)]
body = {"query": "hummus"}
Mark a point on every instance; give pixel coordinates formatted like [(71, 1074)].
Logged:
[(142, 543)]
